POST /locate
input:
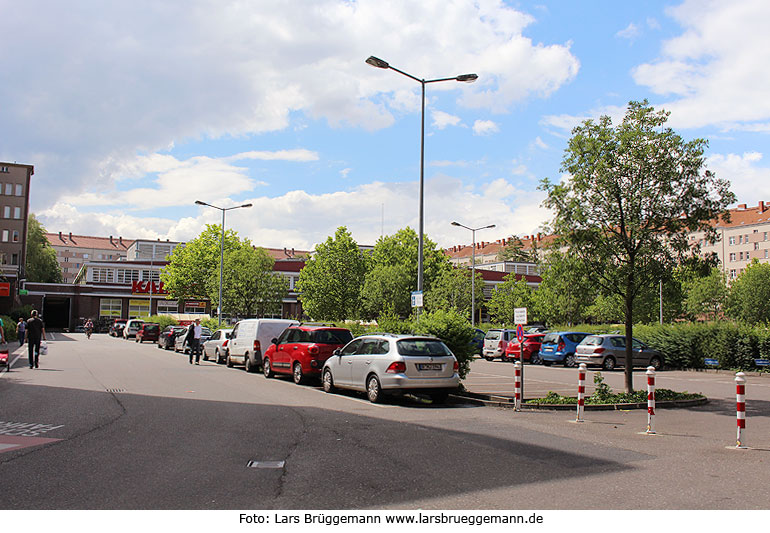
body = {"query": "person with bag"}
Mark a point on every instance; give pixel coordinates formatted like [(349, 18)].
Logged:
[(35, 333), (193, 340), (21, 328)]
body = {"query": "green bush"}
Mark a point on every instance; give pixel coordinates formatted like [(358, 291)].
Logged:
[(454, 330), (162, 320), (9, 328)]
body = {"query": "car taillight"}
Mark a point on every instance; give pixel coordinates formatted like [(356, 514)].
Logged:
[(456, 366), (257, 347), (399, 367), (313, 350), (500, 345), (561, 346), (598, 350), (225, 343)]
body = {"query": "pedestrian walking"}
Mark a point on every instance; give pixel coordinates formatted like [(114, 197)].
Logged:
[(35, 333), (193, 340), (21, 329)]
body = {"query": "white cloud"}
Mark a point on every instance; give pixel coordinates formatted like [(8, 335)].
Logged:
[(85, 91), (750, 181), (564, 123), (316, 216), (441, 119), (485, 127), (448, 163), (344, 172), (715, 72), (630, 32), (539, 143), (653, 23)]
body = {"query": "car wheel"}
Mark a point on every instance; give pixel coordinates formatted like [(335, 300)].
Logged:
[(569, 360), (267, 370), (159, 346), (205, 356), (656, 363), (439, 397), (328, 381), (166, 347), (488, 358), (229, 361), (299, 377), (218, 356), (534, 359), (373, 389), (608, 363)]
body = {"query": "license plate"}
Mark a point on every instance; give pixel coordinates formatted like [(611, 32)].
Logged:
[(429, 366)]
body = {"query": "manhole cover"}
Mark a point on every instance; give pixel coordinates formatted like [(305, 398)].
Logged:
[(266, 464)]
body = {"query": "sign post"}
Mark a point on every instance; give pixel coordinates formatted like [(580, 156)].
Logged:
[(520, 319), (416, 298)]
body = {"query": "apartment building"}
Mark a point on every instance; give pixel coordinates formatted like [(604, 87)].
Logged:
[(744, 238), (14, 212), (72, 251)]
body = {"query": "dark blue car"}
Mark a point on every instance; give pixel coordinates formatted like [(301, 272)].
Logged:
[(478, 341), (559, 347)]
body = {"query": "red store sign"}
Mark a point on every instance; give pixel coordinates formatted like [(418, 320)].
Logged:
[(147, 287)]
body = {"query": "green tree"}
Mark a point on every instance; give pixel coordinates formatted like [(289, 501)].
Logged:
[(514, 251), (509, 295), (330, 283), (452, 290), (193, 269), (42, 265), (393, 275), (562, 296), (634, 194), (706, 295), (749, 299)]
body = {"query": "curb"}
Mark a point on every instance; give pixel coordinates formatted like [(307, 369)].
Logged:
[(502, 401)]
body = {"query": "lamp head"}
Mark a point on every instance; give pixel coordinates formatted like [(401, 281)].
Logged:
[(246, 205), (377, 62), (198, 202), (467, 78), (455, 223)]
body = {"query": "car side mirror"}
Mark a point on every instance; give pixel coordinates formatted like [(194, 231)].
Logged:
[(274, 341), (337, 352)]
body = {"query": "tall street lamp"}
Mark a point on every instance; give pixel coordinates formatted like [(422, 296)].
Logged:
[(221, 250), (467, 78), (473, 269)]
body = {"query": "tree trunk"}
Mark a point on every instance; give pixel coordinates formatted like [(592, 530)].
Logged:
[(629, 366)]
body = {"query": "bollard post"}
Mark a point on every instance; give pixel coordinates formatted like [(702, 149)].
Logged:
[(517, 386), (650, 399), (740, 397), (581, 392)]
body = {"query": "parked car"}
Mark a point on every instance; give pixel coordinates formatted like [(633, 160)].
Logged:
[(216, 346), (531, 348), (495, 343), (559, 347), (609, 352), (251, 338), (148, 332), (180, 345), (302, 351), (383, 364), (132, 326), (478, 341), (168, 336), (537, 329), (116, 329)]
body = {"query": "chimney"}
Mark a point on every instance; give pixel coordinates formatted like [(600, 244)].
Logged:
[(111, 242), (71, 232), (532, 237), (761, 206), (292, 252), (61, 238), (120, 240), (539, 237), (740, 206)]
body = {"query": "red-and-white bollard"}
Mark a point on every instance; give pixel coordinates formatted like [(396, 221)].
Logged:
[(650, 398), (740, 397), (581, 397), (517, 386)]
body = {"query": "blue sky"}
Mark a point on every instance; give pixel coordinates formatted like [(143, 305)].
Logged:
[(132, 111)]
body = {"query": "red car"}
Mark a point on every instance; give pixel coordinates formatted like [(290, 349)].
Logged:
[(302, 350), (532, 343), (148, 332)]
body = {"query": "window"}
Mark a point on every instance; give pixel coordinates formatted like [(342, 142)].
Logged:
[(15, 235), (765, 236), (746, 239), (756, 246), (5, 235), (3, 258), (138, 308), (167, 306), (7, 211), (19, 190), (17, 212), (85, 256), (4, 169), (195, 308), (765, 254), (125, 275), (151, 275), (740, 256), (102, 275), (732, 256), (110, 307), (733, 273), (15, 259), (9, 189), (732, 240)]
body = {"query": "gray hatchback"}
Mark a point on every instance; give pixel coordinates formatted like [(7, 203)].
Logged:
[(609, 351), (383, 364)]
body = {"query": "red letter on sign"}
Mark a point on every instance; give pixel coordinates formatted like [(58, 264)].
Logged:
[(137, 286)]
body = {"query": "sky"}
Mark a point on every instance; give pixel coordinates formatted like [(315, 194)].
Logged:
[(132, 111)]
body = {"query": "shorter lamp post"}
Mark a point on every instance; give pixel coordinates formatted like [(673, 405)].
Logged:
[(221, 250), (473, 269)]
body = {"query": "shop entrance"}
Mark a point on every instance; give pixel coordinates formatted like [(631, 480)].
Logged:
[(56, 312)]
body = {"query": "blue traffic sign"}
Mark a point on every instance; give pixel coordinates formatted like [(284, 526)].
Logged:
[(520, 333)]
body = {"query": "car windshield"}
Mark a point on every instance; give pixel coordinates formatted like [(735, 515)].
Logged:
[(151, 327), (422, 347), (493, 335), (206, 331), (551, 338), (593, 340), (331, 336)]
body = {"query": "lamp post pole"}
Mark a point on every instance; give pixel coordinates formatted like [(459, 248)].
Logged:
[(473, 269), (221, 251), (467, 78)]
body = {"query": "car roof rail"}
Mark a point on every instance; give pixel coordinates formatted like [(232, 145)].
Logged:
[(319, 324)]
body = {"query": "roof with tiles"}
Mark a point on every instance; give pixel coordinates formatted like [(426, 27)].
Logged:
[(495, 247), (85, 241), (745, 216), (287, 254)]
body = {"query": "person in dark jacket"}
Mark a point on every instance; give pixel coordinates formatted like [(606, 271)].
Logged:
[(35, 334), (193, 340)]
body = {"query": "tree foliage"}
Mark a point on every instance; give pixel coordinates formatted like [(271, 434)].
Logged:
[(706, 296), (452, 290), (514, 251), (634, 194), (749, 299), (330, 283), (509, 295), (42, 265), (563, 294)]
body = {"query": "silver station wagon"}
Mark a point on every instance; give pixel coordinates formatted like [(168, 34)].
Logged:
[(385, 364)]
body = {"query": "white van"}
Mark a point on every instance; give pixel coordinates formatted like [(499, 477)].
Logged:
[(251, 337)]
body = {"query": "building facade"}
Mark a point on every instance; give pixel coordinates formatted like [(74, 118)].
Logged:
[(73, 251), (14, 212)]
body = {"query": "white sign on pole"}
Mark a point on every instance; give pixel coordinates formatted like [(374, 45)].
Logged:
[(417, 299), (520, 315)]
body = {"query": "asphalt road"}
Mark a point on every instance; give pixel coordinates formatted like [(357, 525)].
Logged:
[(127, 426)]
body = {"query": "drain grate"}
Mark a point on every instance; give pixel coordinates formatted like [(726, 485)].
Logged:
[(266, 464), (116, 390)]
